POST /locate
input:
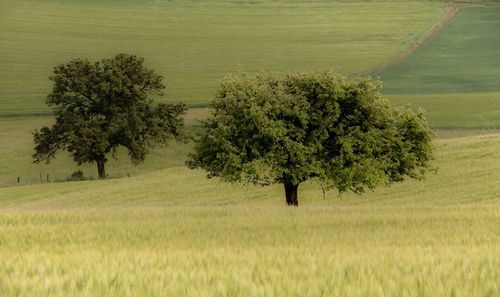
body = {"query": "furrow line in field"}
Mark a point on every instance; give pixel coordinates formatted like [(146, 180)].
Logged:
[(449, 13)]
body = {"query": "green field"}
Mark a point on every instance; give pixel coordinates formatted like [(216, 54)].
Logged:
[(454, 75), (16, 146), (462, 58), (194, 44), (186, 42), (172, 233), (456, 111), (168, 231)]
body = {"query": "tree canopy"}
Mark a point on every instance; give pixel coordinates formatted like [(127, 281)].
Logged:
[(269, 129), (99, 106)]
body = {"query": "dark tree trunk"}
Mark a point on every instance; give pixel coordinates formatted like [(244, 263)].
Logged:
[(101, 169), (291, 191)]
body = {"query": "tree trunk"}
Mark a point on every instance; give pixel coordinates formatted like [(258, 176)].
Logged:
[(291, 191), (101, 170)]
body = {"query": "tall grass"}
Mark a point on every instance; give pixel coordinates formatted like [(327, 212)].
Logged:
[(252, 251), (173, 233)]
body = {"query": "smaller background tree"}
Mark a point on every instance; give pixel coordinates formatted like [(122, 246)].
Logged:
[(102, 105), (322, 126)]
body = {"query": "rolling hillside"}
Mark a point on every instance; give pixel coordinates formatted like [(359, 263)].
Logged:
[(164, 230), (16, 147), (462, 58), (454, 75), (194, 44), (477, 158), (173, 233), (458, 111)]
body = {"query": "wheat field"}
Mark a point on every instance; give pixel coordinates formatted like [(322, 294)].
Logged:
[(173, 233)]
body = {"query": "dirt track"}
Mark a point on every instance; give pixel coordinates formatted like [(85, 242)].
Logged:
[(449, 13)]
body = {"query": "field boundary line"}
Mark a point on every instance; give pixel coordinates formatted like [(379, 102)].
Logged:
[(450, 11)]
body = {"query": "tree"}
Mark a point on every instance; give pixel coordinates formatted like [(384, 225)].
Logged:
[(102, 105), (341, 132)]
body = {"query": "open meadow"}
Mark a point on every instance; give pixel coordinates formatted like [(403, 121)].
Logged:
[(454, 75), (461, 58), (172, 233), (17, 144), (161, 229), (194, 44), (184, 41)]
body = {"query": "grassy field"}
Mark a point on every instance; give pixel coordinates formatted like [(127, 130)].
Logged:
[(16, 145), (168, 231), (192, 43), (454, 76), (462, 58), (175, 234), (456, 111), (451, 115), (196, 43)]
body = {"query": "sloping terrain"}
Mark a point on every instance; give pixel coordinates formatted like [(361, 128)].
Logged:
[(454, 74), (194, 44), (459, 111), (16, 148), (469, 170), (462, 58), (173, 233)]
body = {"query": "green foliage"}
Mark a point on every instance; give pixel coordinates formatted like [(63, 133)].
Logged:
[(76, 176), (101, 106), (17, 147), (269, 129)]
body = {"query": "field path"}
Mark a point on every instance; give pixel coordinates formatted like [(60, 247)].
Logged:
[(449, 13)]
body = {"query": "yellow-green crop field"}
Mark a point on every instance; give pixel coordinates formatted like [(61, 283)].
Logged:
[(172, 233), (168, 231)]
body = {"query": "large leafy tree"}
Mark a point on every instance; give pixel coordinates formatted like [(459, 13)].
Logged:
[(100, 106), (322, 126)]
